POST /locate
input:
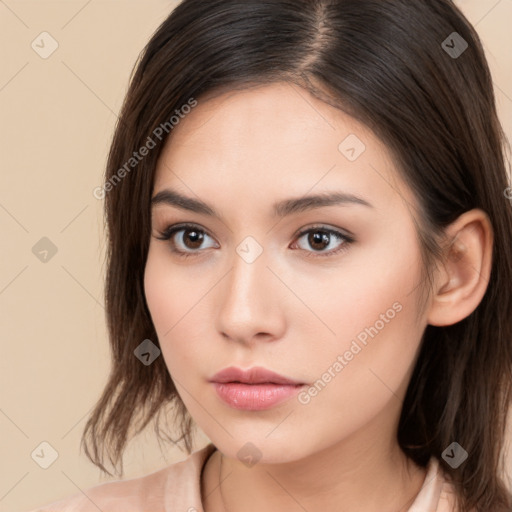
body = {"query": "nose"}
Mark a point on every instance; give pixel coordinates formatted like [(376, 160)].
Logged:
[(250, 305)]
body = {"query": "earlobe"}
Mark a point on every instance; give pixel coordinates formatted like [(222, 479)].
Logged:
[(463, 281)]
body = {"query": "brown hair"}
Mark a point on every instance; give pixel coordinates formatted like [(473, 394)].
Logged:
[(397, 67)]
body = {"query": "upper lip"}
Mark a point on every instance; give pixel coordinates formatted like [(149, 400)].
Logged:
[(255, 375)]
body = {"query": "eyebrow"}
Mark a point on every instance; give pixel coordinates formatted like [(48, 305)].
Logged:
[(280, 209)]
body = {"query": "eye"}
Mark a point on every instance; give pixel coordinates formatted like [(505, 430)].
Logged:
[(321, 237), (192, 239)]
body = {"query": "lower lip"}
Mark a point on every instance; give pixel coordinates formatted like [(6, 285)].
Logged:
[(254, 397)]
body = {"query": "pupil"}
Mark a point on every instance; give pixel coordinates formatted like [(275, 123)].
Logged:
[(319, 237), (195, 237)]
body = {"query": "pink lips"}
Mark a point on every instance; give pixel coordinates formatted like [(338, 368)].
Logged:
[(255, 389)]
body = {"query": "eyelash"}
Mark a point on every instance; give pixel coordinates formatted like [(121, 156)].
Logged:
[(347, 240)]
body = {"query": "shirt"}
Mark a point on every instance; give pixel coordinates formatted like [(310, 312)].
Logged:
[(178, 488)]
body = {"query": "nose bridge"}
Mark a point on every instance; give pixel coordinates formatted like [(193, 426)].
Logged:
[(248, 279), (248, 305)]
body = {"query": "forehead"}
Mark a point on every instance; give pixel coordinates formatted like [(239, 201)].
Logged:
[(272, 141)]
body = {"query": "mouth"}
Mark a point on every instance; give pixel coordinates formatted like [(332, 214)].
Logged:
[(254, 397), (256, 375), (259, 383), (255, 389)]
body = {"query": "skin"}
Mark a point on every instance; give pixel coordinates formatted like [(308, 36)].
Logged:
[(240, 152)]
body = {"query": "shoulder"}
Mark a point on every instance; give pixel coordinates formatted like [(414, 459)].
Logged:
[(448, 495), (437, 494), (177, 485), (447, 498)]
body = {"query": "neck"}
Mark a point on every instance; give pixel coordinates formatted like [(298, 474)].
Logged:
[(340, 478)]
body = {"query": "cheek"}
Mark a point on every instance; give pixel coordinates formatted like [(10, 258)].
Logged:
[(369, 314), (162, 297), (378, 281), (173, 301), (159, 295), (170, 290)]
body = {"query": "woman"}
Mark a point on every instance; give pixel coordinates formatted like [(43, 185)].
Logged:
[(309, 227)]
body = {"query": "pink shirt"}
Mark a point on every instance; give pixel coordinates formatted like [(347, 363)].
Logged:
[(177, 488)]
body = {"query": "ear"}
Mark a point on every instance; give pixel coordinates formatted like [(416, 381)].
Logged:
[(463, 280)]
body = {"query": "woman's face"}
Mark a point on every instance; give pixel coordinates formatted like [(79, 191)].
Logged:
[(246, 288)]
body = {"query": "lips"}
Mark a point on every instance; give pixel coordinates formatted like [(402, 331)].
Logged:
[(255, 375), (255, 389)]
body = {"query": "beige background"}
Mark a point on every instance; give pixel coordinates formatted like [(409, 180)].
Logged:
[(57, 118)]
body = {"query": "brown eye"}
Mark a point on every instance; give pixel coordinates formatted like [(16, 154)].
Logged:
[(192, 238), (320, 238), (186, 240)]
